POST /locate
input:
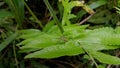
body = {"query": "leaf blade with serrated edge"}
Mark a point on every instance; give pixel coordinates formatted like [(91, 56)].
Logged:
[(104, 58), (69, 49)]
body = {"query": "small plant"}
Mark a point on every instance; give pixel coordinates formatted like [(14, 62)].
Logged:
[(70, 39)]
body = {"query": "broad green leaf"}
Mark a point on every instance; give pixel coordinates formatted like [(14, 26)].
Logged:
[(40, 41), (74, 31), (97, 47), (100, 39), (94, 44), (111, 39), (30, 33), (69, 49), (105, 58), (117, 30)]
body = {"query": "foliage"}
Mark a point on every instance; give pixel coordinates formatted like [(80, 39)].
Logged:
[(56, 36), (7, 41), (74, 40), (92, 5), (105, 16), (17, 8)]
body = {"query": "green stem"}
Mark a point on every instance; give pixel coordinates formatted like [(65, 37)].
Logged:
[(15, 56), (34, 16), (53, 14), (91, 58)]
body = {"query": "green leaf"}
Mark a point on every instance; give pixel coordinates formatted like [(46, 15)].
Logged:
[(29, 33), (40, 41), (67, 11), (8, 41), (98, 3), (111, 39), (69, 49), (104, 58), (49, 26), (54, 30), (99, 39), (71, 16), (75, 31), (27, 50), (117, 30)]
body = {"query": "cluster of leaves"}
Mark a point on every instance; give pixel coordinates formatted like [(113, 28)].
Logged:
[(7, 22), (51, 42), (75, 40), (11, 18)]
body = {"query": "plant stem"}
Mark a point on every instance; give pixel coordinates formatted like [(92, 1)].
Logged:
[(37, 20), (53, 14), (91, 58), (15, 55)]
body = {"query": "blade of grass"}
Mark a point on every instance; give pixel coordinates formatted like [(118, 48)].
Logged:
[(53, 14), (8, 41), (17, 8), (34, 16)]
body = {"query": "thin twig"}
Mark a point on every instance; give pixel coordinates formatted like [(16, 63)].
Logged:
[(83, 21), (109, 66)]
